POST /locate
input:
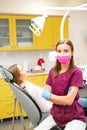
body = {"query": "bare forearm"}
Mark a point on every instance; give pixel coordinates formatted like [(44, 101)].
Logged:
[(60, 100), (67, 99)]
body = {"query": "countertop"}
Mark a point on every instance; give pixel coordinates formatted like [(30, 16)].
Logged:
[(32, 73), (37, 73)]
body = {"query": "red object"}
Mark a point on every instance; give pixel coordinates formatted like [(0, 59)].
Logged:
[(40, 61)]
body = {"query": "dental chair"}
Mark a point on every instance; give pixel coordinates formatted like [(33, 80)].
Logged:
[(25, 101)]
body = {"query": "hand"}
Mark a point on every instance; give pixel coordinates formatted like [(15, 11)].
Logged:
[(46, 94)]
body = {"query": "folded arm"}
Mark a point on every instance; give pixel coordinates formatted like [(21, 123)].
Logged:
[(61, 100)]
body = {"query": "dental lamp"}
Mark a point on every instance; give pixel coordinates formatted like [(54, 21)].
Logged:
[(37, 24)]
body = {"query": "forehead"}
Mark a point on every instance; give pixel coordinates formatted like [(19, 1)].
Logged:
[(19, 67), (63, 46)]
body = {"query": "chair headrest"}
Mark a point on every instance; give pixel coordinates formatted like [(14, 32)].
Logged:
[(7, 75)]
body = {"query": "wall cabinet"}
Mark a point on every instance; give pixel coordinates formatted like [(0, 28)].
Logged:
[(7, 97), (16, 35)]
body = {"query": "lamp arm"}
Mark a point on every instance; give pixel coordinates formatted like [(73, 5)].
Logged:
[(64, 18), (62, 25), (77, 8)]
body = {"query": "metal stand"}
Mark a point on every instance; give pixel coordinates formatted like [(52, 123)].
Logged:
[(20, 114)]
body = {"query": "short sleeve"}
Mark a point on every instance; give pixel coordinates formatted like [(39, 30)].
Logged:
[(77, 78), (49, 79)]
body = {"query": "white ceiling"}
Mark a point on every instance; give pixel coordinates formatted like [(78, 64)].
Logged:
[(33, 6), (75, 2)]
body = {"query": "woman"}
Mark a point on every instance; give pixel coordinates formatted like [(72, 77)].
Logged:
[(66, 112), (19, 77)]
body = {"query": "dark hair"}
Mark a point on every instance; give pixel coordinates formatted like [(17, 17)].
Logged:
[(57, 66), (16, 73)]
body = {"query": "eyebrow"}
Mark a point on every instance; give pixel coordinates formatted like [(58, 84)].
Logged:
[(60, 50)]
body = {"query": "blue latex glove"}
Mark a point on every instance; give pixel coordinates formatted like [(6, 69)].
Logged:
[(46, 94), (69, 89)]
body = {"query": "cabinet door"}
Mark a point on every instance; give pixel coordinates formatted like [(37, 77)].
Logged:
[(36, 79), (6, 100), (51, 33), (5, 32), (24, 39), (44, 79), (45, 40), (56, 29)]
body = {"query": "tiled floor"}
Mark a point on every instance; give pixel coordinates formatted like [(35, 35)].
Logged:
[(7, 125)]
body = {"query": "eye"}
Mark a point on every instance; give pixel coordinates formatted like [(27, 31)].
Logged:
[(58, 51), (65, 50)]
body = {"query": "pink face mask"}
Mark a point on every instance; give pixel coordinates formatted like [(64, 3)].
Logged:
[(63, 59)]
